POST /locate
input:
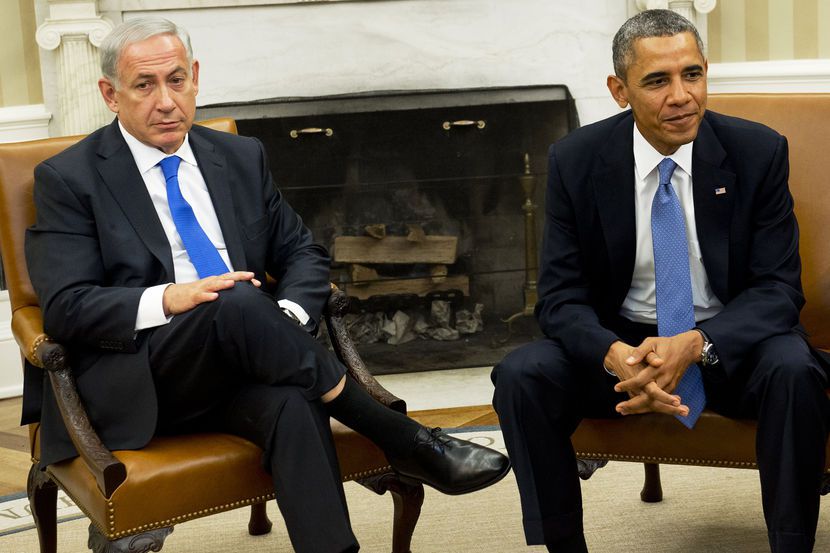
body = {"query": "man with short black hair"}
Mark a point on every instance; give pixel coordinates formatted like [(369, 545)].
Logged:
[(669, 281)]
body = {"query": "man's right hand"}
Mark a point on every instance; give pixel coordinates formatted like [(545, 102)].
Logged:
[(179, 298), (648, 398)]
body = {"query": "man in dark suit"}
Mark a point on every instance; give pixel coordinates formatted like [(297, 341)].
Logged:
[(631, 199), (152, 241)]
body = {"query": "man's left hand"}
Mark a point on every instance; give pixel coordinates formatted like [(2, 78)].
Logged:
[(667, 358)]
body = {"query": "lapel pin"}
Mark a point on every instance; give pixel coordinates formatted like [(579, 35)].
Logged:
[(719, 191)]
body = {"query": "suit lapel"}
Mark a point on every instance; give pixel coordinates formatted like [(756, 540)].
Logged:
[(214, 168), (713, 190), (613, 182), (120, 174)]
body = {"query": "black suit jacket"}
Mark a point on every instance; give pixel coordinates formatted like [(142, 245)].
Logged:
[(97, 244), (748, 236)]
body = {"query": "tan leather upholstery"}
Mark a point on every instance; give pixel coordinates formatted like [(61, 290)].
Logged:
[(172, 479), (805, 120)]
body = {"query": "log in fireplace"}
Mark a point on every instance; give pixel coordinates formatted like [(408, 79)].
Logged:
[(422, 197)]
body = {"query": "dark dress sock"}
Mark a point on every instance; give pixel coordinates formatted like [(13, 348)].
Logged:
[(571, 544), (393, 432)]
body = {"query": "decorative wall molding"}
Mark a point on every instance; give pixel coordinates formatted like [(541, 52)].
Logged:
[(770, 76), (19, 123), (11, 373), (144, 5)]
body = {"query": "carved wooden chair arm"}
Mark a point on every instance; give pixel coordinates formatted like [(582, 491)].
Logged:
[(41, 351), (347, 353)]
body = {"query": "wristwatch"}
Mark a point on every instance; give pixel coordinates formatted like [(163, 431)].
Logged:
[(708, 355)]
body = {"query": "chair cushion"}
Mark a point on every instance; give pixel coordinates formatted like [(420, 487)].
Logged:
[(715, 441), (185, 486)]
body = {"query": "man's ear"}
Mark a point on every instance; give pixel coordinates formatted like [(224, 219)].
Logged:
[(108, 92), (195, 71), (618, 90)]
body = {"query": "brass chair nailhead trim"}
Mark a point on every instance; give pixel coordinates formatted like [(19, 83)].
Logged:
[(365, 473), (36, 344), (666, 460), (111, 534), (75, 501), (227, 507), (189, 516)]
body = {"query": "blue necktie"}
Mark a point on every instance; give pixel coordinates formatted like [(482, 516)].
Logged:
[(673, 283), (203, 254)]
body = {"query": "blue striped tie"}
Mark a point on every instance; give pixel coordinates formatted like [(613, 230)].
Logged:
[(673, 283), (203, 254)]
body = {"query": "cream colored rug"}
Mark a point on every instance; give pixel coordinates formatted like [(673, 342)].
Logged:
[(705, 510)]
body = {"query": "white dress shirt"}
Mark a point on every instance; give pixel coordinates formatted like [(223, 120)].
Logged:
[(640, 303), (194, 190)]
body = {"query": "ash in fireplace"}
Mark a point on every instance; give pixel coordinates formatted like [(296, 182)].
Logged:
[(405, 326)]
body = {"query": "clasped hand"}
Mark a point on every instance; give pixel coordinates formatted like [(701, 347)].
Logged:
[(649, 373), (179, 298)]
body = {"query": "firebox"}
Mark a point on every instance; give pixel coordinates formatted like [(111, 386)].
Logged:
[(431, 204)]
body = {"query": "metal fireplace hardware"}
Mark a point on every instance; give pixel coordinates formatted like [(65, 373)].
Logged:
[(447, 125), (528, 182), (295, 133)]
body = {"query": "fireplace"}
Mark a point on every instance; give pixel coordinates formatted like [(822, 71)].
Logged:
[(423, 200)]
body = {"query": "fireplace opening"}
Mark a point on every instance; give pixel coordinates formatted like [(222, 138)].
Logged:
[(431, 204)]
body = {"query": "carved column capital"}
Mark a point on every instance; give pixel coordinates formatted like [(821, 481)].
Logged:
[(76, 18), (643, 5), (700, 6), (705, 6), (51, 32)]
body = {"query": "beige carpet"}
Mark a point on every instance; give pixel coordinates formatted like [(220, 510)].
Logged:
[(704, 511)]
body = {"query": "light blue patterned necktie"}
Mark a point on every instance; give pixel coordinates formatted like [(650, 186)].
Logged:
[(203, 254), (673, 283)]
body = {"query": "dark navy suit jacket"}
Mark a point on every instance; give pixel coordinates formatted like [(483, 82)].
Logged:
[(98, 243), (748, 236)]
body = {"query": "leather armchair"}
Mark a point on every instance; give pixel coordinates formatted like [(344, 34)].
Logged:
[(716, 440), (134, 498)]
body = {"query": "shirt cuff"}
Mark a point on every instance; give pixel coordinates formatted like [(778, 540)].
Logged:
[(295, 309), (151, 308)]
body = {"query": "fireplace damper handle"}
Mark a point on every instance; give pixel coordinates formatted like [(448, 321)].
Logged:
[(447, 125), (296, 133)]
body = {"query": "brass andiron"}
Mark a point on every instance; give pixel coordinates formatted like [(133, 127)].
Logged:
[(528, 182)]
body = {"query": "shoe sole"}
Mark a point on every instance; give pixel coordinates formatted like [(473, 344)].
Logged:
[(415, 481)]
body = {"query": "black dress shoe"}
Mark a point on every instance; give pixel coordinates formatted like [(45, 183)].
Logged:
[(450, 465)]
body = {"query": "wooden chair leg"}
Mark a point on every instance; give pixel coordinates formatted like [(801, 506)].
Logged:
[(652, 488), (152, 540), (407, 498), (259, 524), (43, 501)]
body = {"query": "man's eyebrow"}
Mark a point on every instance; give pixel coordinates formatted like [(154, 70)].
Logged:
[(141, 76), (151, 75), (653, 75), (661, 74)]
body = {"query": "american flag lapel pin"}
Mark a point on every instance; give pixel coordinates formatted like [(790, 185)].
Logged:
[(719, 191)]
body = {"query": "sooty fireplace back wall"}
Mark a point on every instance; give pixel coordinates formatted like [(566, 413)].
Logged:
[(442, 166)]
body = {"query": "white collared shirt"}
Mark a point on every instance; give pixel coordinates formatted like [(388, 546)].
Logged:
[(640, 303), (195, 191)]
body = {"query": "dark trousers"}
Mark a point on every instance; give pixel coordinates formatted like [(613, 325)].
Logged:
[(541, 396), (239, 365)]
